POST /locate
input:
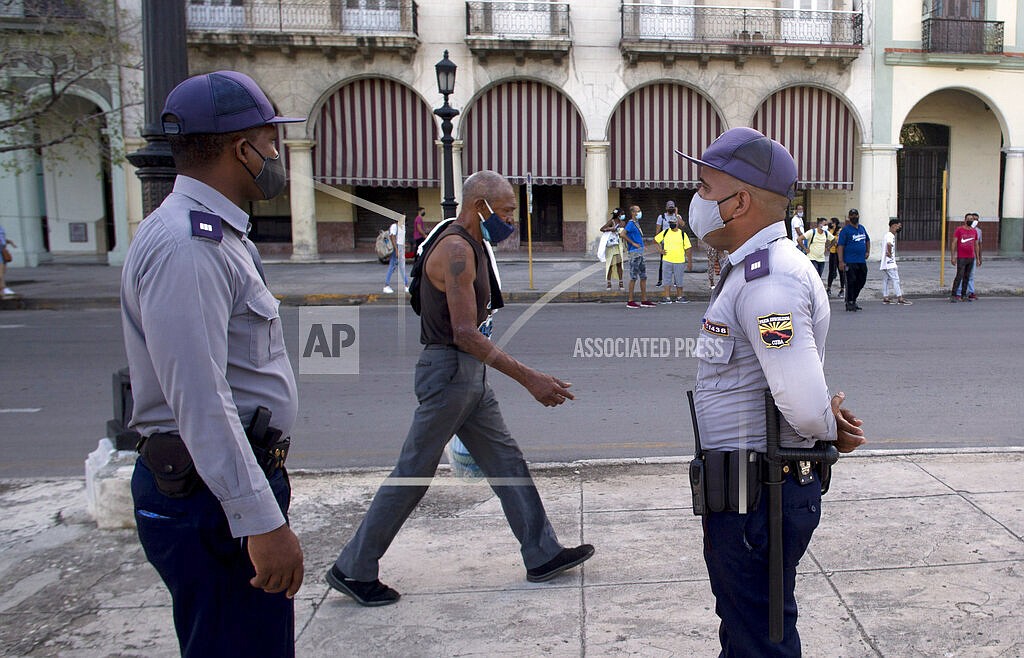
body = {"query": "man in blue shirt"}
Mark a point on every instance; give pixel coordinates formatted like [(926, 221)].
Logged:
[(634, 239), (854, 250)]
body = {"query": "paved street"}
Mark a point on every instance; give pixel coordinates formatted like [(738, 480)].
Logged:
[(904, 370)]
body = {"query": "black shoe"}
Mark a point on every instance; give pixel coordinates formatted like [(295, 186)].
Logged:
[(370, 593), (567, 559), (851, 307), (857, 307)]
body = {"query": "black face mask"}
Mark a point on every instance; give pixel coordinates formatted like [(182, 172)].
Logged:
[(271, 178)]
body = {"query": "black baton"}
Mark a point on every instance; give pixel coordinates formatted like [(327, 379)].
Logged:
[(777, 457)]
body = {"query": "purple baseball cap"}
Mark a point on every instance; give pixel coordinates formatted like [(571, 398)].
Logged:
[(220, 102), (749, 156)]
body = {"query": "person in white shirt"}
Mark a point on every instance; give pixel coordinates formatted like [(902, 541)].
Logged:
[(797, 228), (397, 232), (890, 272), (970, 281)]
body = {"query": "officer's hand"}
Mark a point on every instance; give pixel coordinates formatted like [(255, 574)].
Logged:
[(849, 435), (842, 266), (277, 557), (549, 391)]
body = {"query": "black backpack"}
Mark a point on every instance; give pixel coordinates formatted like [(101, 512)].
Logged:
[(416, 273)]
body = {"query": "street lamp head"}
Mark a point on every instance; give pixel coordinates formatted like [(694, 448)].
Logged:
[(445, 70)]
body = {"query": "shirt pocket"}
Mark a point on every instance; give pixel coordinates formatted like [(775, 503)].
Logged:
[(715, 365), (266, 338)]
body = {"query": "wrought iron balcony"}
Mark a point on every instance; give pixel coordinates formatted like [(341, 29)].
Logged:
[(651, 29), (518, 27), (962, 36), (328, 25)]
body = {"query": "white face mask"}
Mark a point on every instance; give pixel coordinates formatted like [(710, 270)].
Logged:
[(974, 224), (705, 216), (639, 214)]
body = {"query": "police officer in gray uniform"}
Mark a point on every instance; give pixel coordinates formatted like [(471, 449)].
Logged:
[(207, 360), (765, 328)]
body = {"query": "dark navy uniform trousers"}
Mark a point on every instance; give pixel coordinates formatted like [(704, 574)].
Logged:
[(216, 611), (736, 553)]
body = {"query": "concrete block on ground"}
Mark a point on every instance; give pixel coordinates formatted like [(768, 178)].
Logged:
[(108, 486)]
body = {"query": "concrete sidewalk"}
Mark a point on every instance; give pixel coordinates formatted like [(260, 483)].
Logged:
[(358, 279), (917, 555)]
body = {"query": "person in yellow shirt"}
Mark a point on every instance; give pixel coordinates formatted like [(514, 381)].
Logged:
[(818, 240), (674, 246)]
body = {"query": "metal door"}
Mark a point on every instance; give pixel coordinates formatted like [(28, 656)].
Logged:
[(919, 186)]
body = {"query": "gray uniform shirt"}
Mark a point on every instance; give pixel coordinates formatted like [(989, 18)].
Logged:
[(765, 327), (205, 346)]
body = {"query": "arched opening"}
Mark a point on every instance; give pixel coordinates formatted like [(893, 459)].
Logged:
[(644, 131), (524, 127), (920, 164)]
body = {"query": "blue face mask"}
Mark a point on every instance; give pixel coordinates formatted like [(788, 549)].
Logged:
[(494, 228)]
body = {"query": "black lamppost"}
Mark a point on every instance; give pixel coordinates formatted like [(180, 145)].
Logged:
[(445, 70), (165, 64)]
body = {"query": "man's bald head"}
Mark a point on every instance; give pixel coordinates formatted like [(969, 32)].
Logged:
[(484, 185)]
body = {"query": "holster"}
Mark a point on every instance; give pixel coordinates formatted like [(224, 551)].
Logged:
[(166, 456), (719, 482)]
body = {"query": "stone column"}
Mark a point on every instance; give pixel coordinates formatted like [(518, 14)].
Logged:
[(876, 193), (596, 180), (1011, 227), (303, 199), (30, 246)]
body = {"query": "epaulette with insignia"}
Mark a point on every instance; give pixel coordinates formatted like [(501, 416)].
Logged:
[(755, 265), (206, 225)]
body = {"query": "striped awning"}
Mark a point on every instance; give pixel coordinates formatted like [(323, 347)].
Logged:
[(818, 129), (376, 133), (522, 127), (646, 127)]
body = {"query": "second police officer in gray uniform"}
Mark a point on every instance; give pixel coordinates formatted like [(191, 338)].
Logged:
[(765, 328), (213, 389)]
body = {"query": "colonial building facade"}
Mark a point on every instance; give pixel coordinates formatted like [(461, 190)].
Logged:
[(590, 98)]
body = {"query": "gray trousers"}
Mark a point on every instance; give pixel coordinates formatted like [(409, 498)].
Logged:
[(455, 398)]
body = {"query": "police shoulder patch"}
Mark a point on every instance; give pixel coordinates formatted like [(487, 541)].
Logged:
[(206, 225), (776, 329), (716, 328), (755, 265)]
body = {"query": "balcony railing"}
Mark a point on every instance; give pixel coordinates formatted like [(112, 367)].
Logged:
[(962, 36), (310, 17), (43, 9), (522, 19), (749, 26)]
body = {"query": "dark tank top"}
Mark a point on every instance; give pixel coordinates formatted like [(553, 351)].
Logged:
[(435, 321)]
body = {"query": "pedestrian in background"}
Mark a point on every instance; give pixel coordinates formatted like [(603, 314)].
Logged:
[(397, 233), (674, 246), (965, 252), (833, 259), (772, 320), (611, 248), (970, 282), (854, 251), (634, 239), (662, 225), (796, 225), (455, 397), (6, 258), (890, 270), (817, 241), (207, 357), (419, 231)]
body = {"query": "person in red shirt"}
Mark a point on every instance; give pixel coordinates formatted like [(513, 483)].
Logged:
[(964, 252), (419, 232)]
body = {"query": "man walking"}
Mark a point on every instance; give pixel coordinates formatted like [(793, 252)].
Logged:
[(455, 398), (970, 282), (797, 227), (397, 233), (890, 271), (854, 250), (965, 252), (207, 357)]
